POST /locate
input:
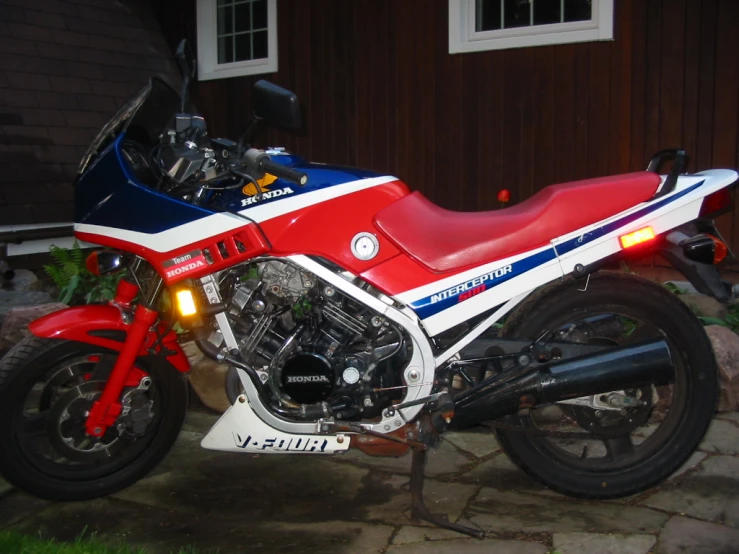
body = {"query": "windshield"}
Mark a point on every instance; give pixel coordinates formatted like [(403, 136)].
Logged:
[(145, 116)]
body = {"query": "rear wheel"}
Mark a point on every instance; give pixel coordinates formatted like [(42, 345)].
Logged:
[(631, 439), (46, 389)]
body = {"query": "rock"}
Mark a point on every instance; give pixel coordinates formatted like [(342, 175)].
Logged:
[(24, 280), (575, 543), (208, 380), (15, 325), (193, 353), (683, 535), (704, 305), (12, 299), (726, 348)]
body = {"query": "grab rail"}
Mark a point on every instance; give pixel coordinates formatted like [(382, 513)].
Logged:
[(680, 162)]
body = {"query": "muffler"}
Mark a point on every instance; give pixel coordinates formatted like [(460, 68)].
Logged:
[(618, 368)]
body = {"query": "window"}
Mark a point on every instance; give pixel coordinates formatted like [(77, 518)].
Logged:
[(236, 37), (476, 25)]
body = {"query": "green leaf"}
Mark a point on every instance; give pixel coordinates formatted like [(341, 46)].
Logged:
[(713, 321)]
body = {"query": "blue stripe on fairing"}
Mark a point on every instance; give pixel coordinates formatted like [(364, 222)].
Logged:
[(425, 308), (109, 194)]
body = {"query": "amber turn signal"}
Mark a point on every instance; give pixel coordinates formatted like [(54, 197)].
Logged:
[(186, 303)]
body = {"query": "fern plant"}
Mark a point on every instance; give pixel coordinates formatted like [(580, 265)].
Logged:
[(75, 283)]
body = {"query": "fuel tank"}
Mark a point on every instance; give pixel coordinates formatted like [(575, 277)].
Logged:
[(332, 216)]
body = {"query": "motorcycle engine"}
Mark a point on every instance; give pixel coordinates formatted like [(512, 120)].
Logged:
[(317, 351)]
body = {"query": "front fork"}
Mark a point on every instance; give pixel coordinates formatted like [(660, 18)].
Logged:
[(107, 408)]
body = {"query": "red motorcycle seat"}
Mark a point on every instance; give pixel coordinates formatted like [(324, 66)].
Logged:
[(443, 240)]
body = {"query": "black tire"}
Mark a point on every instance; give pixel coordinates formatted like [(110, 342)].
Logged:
[(27, 462), (693, 394)]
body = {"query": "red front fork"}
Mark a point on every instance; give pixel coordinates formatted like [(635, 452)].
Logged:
[(107, 408)]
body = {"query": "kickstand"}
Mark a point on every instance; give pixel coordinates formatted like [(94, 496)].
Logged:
[(418, 506)]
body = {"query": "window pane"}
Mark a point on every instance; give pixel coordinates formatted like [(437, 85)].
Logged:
[(243, 47), (243, 17), (225, 49), (260, 44), (516, 13), (547, 12), (487, 15), (259, 14), (224, 2), (225, 20), (578, 10)]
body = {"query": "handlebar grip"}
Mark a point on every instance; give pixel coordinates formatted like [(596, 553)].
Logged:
[(282, 171)]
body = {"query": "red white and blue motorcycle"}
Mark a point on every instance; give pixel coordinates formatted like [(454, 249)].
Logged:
[(354, 313)]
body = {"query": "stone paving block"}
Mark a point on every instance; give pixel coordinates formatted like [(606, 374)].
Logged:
[(347, 537), (297, 489), (163, 531), (469, 546), (409, 534), (722, 437), (450, 499), (200, 422), (478, 442), (578, 543), (684, 535), (502, 474), (711, 492), (442, 460), (508, 511), (17, 506), (695, 458)]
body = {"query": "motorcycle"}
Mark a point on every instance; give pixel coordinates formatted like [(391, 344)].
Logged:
[(354, 313)]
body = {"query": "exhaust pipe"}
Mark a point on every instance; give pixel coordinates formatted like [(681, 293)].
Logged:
[(618, 368)]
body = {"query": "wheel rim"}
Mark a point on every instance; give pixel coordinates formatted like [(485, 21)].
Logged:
[(47, 421), (640, 438)]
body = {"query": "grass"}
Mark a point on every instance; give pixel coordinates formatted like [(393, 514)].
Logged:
[(12, 542)]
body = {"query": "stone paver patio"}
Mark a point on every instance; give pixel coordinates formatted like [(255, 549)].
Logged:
[(234, 503)]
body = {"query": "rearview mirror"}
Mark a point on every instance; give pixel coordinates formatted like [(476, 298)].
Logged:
[(276, 105)]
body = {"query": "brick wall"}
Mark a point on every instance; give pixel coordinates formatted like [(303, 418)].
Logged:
[(65, 68)]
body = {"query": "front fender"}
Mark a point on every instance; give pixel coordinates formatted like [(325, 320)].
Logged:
[(103, 325)]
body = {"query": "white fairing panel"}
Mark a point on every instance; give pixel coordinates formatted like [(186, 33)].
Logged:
[(240, 430), (440, 307)]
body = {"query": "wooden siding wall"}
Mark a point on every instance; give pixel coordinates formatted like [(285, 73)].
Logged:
[(380, 90)]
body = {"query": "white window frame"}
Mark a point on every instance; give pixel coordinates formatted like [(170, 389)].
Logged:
[(464, 38), (207, 28)]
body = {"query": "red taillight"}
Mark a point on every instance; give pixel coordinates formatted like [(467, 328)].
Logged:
[(716, 202), (637, 237)]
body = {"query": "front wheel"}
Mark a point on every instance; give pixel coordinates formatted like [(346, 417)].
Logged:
[(48, 386), (631, 439)]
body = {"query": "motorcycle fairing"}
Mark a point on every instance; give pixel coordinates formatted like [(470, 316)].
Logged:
[(442, 304), (239, 429)]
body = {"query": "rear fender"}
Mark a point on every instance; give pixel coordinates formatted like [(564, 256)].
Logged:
[(103, 325)]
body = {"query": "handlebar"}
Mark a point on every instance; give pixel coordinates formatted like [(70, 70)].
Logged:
[(263, 164)]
